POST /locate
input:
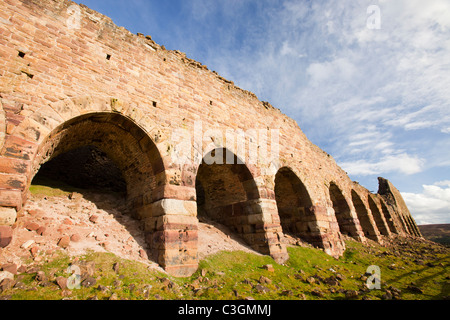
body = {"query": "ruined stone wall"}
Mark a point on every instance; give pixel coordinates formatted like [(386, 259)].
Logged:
[(70, 78)]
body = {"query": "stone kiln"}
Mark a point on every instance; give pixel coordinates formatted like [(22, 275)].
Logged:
[(70, 78)]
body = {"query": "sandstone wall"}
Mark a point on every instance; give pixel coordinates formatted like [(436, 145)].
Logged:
[(70, 78)]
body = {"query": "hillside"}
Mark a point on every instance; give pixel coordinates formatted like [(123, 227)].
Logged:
[(439, 233)]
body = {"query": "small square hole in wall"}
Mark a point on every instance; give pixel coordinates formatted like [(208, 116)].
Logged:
[(21, 54), (154, 104), (108, 57)]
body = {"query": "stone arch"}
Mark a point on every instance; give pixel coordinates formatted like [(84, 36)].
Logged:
[(403, 223), (413, 230), (343, 213), (227, 193), (22, 143), (128, 146), (363, 216), (68, 124), (388, 217), (376, 214), (131, 150), (36, 127), (294, 204)]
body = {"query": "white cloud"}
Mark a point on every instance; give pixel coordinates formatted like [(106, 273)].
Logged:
[(288, 50), (432, 206), (445, 183), (330, 70), (403, 163)]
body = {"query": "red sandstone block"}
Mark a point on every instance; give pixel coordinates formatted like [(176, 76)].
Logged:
[(180, 257), (19, 148), (12, 181), (170, 191), (45, 42), (179, 236), (173, 240), (11, 198), (52, 26), (188, 178), (14, 166), (5, 236), (16, 21), (14, 118), (267, 194), (177, 226)]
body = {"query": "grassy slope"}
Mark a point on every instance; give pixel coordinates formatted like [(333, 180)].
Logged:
[(235, 275)]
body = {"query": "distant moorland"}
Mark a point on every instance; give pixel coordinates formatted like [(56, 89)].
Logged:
[(439, 233)]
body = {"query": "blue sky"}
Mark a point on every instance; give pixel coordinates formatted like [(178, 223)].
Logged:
[(377, 100)]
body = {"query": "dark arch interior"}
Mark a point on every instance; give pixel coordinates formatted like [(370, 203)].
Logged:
[(363, 216), (293, 202), (86, 167), (377, 217), (225, 192), (342, 210), (388, 217)]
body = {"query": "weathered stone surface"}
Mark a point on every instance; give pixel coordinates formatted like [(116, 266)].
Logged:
[(32, 226), (41, 276), (62, 282), (89, 282), (75, 237), (10, 267), (27, 244), (7, 216), (268, 267), (5, 236), (64, 242), (6, 275), (41, 230)]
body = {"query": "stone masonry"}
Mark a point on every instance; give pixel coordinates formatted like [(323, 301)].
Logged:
[(70, 78)]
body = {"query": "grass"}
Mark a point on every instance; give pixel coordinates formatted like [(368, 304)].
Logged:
[(237, 275), (45, 187)]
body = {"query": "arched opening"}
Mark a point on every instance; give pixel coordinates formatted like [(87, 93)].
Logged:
[(363, 217), (412, 226), (388, 217), (293, 203), (343, 213), (104, 153), (377, 217), (227, 194), (404, 223)]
